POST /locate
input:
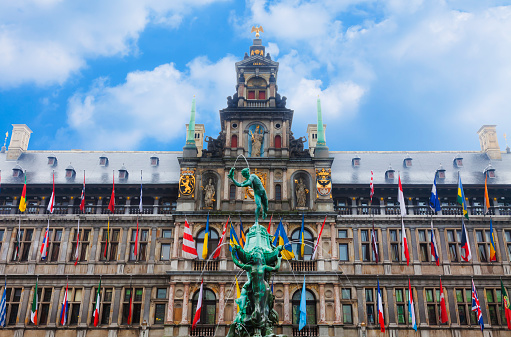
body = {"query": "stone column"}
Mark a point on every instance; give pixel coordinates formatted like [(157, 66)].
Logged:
[(221, 304), (170, 305), (287, 315), (284, 183), (241, 134), (226, 185), (184, 315), (320, 243), (156, 205), (127, 206), (176, 241), (333, 242), (322, 307), (337, 299)]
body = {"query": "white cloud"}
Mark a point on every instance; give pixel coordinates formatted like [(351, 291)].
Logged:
[(148, 105), (45, 41)]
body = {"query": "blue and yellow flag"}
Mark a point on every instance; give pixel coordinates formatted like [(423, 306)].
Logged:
[(302, 240), (233, 238), (238, 293), (493, 254), (206, 238), (282, 240), (461, 197), (242, 235)]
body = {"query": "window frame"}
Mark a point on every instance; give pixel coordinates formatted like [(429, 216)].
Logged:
[(105, 305), (485, 232), (25, 245), (135, 303), (373, 303), (143, 245), (466, 305), (309, 304), (163, 241), (309, 243), (84, 248), (205, 305), (157, 301), (347, 302), (372, 256), (113, 246), (10, 303)]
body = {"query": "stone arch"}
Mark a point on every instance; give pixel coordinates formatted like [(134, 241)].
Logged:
[(307, 179)]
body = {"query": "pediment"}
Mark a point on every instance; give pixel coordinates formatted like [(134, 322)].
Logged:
[(257, 61)]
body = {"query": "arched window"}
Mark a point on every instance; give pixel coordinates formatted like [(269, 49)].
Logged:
[(310, 306), (278, 142), (208, 311), (212, 241), (234, 141), (278, 192), (232, 192), (309, 245)]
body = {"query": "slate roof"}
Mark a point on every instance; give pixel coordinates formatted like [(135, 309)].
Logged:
[(39, 172), (422, 171)]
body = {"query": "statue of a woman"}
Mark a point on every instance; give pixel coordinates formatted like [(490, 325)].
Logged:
[(209, 194), (257, 141), (301, 193)]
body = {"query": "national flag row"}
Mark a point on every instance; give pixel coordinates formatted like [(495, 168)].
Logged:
[(280, 238)]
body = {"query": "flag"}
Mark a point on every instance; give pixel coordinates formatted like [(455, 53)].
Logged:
[(189, 251), (18, 241), (44, 246), (63, 313), (233, 238), (411, 307), (196, 318), (238, 292), (96, 307), (434, 247), (505, 300), (374, 244), (140, 205), (405, 243), (281, 239), (401, 198), (486, 197), (269, 225), (371, 186), (493, 252), (243, 239), (33, 310), (3, 307), (303, 308), (135, 252), (82, 197), (318, 240), (476, 307), (465, 244), (23, 198), (130, 312), (51, 203), (381, 320), (77, 242), (107, 237), (434, 201), (461, 197), (206, 239), (219, 246), (302, 240), (111, 204), (443, 308)]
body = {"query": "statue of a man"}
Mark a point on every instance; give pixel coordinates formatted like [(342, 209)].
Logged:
[(257, 141), (209, 194), (260, 197), (301, 193)]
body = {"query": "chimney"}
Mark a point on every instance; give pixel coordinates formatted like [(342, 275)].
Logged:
[(489, 142), (19, 141)]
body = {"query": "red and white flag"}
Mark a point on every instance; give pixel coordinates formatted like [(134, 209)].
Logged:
[(219, 246), (374, 244), (196, 318), (51, 203), (401, 198), (405, 243), (465, 244), (443, 307), (44, 246), (82, 197), (318, 240), (77, 242), (381, 319), (372, 187), (189, 251)]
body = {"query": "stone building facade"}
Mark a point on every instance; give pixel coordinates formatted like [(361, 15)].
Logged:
[(314, 182)]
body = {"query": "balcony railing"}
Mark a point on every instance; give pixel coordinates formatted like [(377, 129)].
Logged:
[(203, 331), (257, 103), (303, 266), (200, 265), (307, 331)]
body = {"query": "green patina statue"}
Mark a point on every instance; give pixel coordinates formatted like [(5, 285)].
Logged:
[(259, 258)]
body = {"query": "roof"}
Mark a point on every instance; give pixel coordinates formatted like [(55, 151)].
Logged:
[(422, 171), (35, 163)]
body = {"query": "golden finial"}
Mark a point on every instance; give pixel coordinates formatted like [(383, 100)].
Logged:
[(257, 30)]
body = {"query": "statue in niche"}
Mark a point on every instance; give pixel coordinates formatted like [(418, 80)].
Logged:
[(301, 193), (257, 141), (209, 195)]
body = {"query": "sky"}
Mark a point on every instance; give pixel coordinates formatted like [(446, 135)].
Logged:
[(395, 75)]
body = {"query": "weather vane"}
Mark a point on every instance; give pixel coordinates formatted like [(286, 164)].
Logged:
[(257, 30)]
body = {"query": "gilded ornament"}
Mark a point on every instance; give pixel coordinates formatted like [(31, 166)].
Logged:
[(324, 181), (187, 183)]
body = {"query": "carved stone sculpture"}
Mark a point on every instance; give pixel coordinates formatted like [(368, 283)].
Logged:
[(301, 193), (209, 194), (257, 141)]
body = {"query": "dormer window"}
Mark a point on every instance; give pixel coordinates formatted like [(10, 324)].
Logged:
[(155, 161), (489, 171), (458, 161), (407, 162), (17, 171), (314, 136), (52, 161), (389, 174), (70, 172), (123, 173), (355, 162), (440, 172), (103, 161)]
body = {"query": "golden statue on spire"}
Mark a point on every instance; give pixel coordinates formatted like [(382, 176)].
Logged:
[(257, 30)]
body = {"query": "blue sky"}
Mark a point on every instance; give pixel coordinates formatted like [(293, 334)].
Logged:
[(120, 75)]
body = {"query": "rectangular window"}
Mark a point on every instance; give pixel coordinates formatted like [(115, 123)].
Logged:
[(483, 238), (83, 247), (160, 305), (367, 249), (43, 305), (508, 241), (433, 305), (166, 233), (371, 298), (136, 307), (251, 94), (109, 252), (262, 94), (343, 252), (21, 250), (425, 245), (232, 192), (396, 246), (54, 240), (75, 301), (1, 238), (347, 306), (454, 240), (342, 234), (13, 302), (165, 244), (106, 296), (464, 304), (143, 237), (402, 305), (496, 311)]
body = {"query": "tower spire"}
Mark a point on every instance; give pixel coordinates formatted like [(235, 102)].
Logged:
[(321, 150), (190, 148)]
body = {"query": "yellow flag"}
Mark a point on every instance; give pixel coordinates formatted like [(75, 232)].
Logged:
[(238, 292), (23, 199), (287, 255)]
